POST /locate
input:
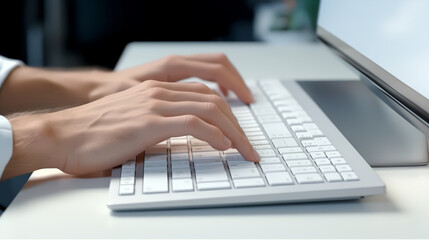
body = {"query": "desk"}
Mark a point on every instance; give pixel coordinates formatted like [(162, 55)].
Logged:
[(54, 205)]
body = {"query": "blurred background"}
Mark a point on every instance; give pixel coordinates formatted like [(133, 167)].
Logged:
[(67, 33), (75, 33)]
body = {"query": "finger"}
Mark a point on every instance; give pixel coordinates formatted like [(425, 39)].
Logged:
[(216, 72), (191, 125), (177, 86), (177, 96), (217, 58), (211, 114), (214, 58), (223, 90)]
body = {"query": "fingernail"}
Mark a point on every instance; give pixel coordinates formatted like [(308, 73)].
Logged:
[(227, 141), (257, 157)]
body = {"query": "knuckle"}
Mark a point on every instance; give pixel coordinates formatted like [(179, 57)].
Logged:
[(221, 57), (149, 83), (171, 59), (191, 121), (202, 87), (211, 107), (216, 99), (218, 69), (155, 92)]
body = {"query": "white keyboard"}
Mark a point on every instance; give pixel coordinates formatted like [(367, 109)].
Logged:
[(293, 149)]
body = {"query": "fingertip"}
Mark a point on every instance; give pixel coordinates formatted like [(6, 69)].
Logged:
[(227, 142), (257, 158)]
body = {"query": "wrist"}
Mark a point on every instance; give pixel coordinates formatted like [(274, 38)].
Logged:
[(33, 146)]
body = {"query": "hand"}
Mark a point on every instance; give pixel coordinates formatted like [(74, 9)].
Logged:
[(107, 132), (211, 67)]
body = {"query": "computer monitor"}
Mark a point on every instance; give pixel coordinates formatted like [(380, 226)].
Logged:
[(387, 41)]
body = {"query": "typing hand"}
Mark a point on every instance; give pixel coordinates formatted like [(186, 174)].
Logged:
[(109, 131), (211, 67)]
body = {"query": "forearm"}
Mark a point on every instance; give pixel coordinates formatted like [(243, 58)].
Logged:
[(32, 146), (29, 89)]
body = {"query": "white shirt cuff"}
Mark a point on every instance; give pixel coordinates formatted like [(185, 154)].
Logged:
[(6, 143), (6, 66)]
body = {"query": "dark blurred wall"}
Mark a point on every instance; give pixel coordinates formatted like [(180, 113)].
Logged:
[(12, 29), (94, 32), (103, 27)]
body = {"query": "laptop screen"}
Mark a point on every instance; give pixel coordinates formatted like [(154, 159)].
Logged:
[(388, 40)]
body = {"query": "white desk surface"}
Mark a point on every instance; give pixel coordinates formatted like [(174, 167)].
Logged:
[(54, 205)]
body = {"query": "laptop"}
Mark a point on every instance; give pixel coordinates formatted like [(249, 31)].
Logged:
[(304, 156)]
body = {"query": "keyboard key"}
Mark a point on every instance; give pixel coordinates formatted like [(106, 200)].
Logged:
[(234, 157), (343, 168), (333, 177), (178, 142), (244, 164), (349, 176), (206, 148), (310, 126), (327, 168), (322, 161), (238, 173), (293, 121), (205, 166), (298, 163), (285, 142), (179, 157), (127, 180), (249, 125), (256, 138), (179, 149), (182, 185), (303, 135), (304, 119), (257, 133), (249, 182), (294, 156), (211, 175), (309, 178), (155, 164), (267, 160), (126, 189), (316, 155), (261, 147), (320, 149), (155, 157), (297, 128), (178, 173), (337, 161), (278, 178), (180, 164), (301, 170), (266, 153), (290, 150), (316, 133), (322, 141), (309, 143), (213, 185), (276, 130), (259, 142), (155, 182), (127, 172), (252, 129), (205, 155), (266, 168), (333, 154), (129, 164), (269, 118)]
